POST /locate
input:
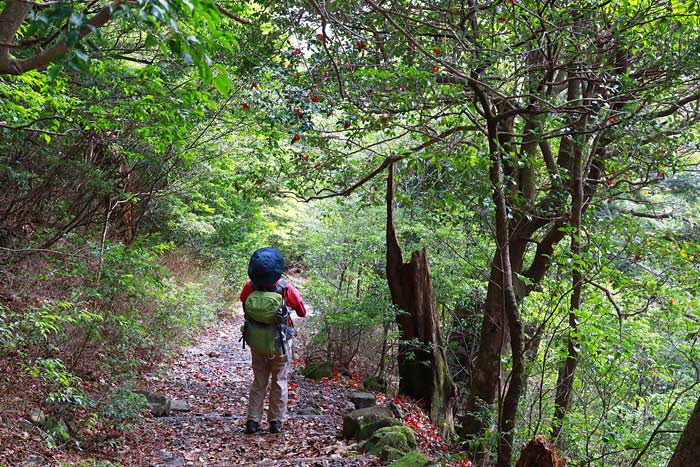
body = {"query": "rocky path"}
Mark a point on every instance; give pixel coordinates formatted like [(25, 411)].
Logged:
[(210, 382)]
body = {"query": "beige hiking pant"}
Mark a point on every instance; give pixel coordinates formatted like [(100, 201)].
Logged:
[(274, 367)]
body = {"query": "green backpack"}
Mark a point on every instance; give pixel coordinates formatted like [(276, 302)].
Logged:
[(266, 326)]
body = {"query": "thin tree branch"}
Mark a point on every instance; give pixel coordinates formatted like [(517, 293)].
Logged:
[(233, 16)]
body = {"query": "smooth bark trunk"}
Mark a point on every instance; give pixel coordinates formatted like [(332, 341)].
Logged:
[(687, 453)]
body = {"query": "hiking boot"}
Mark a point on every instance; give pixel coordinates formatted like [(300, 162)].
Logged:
[(251, 426), (275, 426)]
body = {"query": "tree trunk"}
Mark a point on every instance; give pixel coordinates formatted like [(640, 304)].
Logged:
[(493, 341), (687, 453), (565, 380), (538, 452), (423, 369)]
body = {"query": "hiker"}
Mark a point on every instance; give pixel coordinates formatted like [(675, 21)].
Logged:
[(268, 331)]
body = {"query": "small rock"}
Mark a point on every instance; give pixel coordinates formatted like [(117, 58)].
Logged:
[(396, 410), (390, 443), (317, 370), (58, 429), (160, 404), (178, 405), (355, 420), (362, 400), (37, 416), (176, 462), (374, 383), (309, 411), (411, 459), (214, 354), (368, 429), (34, 460), (25, 424)]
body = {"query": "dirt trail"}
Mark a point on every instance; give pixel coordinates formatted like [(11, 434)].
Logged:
[(212, 376)]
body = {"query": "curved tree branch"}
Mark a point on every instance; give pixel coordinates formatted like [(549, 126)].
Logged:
[(233, 16), (12, 18)]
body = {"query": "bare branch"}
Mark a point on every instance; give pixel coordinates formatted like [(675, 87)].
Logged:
[(28, 127), (653, 215), (233, 16), (610, 297), (385, 163)]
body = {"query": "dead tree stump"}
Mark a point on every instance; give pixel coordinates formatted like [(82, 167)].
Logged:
[(538, 452)]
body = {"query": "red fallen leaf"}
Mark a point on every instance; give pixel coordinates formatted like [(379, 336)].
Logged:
[(297, 112), (315, 99), (196, 375)]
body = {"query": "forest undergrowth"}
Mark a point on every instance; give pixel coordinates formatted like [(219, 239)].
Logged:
[(67, 385)]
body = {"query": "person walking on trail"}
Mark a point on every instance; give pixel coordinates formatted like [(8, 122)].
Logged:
[(268, 331)]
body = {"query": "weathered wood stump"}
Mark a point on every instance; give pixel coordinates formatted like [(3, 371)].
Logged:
[(538, 452)]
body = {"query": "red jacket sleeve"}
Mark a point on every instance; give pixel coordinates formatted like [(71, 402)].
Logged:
[(247, 290), (294, 300)]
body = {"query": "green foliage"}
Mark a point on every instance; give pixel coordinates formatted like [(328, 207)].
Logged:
[(122, 161), (64, 386), (347, 285), (8, 329), (119, 409)]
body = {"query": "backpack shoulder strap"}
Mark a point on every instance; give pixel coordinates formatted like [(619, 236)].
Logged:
[(281, 289)]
